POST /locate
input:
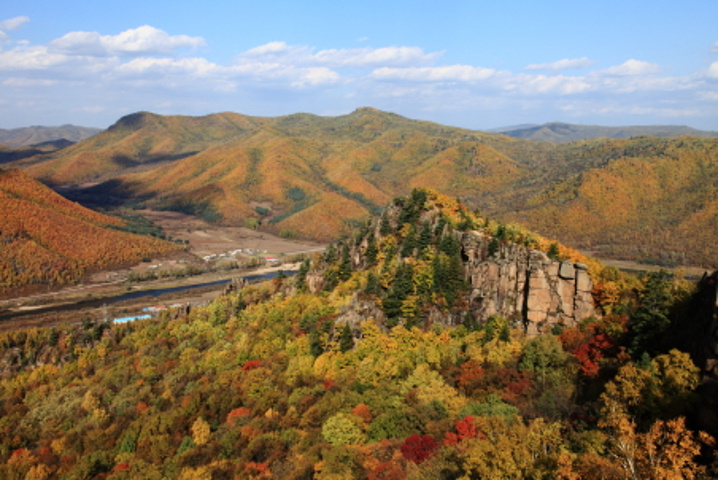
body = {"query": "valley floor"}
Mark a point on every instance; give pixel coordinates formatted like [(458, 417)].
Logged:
[(208, 244)]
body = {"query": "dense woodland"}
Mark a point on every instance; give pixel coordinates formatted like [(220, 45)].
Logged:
[(644, 198), (46, 239), (274, 381)]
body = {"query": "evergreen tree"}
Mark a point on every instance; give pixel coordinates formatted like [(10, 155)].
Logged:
[(315, 343), (650, 321), (371, 250), (410, 243), (301, 278), (385, 226), (345, 266), (440, 226), (493, 246), (372, 284), (466, 223), (330, 254), (412, 208), (346, 339), (501, 233), (553, 252), (425, 237), (401, 287)]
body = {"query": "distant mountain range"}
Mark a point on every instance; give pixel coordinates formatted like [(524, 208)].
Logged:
[(567, 132), (27, 136), (644, 198)]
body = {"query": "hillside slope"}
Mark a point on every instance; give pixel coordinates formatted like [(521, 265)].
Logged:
[(317, 176), (46, 239)]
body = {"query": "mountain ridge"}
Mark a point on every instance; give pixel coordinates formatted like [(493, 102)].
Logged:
[(568, 132), (317, 176), (33, 135)]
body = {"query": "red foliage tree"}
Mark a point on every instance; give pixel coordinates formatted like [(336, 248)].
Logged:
[(588, 345), (465, 428), (418, 448), (470, 377), (251, 365)]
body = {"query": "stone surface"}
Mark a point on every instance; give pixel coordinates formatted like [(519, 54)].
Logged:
[(567, 270), (525, 286)]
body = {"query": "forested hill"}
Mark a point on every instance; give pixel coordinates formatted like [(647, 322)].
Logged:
[(274, 381), (567, 132), (46, 239), (645, 198)]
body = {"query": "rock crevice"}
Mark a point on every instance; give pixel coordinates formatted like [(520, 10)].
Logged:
[(525, 285)]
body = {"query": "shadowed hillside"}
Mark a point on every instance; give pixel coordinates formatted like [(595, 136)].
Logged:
[(644, 198)]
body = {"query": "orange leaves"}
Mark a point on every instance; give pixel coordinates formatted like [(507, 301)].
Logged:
[(470, 377), (48, 239), (364, 412), (141, 407), (234, 416)]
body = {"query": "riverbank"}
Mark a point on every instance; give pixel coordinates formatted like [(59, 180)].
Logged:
[(105, 302)]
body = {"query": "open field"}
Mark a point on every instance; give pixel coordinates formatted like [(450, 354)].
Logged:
[(206, 239)]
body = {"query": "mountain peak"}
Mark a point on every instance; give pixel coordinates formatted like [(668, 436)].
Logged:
[(134, 121)]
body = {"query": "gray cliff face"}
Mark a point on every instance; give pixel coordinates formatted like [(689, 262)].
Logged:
[(525, 285)]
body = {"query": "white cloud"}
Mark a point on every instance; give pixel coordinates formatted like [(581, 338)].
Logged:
[(314, 77), (338, 58), (28, 82), (633, 67), (710, 96), (275, 49), (370, 57), (144, 40), (13, 23), (9, 25), (145, 68), (714, 48), (543, 84), (565, 64), (30, 58), (196, 67), (451, 73)]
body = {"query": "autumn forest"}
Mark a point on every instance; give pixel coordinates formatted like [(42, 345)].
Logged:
[(456, 326), (369, 363)]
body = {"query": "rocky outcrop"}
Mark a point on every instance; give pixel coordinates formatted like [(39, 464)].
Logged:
[(525, 285), (500, 276)]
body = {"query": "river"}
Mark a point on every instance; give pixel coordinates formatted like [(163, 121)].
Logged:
[(134, 295)]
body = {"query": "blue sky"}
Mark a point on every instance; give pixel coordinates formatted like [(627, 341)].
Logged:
[(476, 64)]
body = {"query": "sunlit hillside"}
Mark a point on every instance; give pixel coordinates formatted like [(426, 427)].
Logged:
[(646, 198), (46, 239)]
